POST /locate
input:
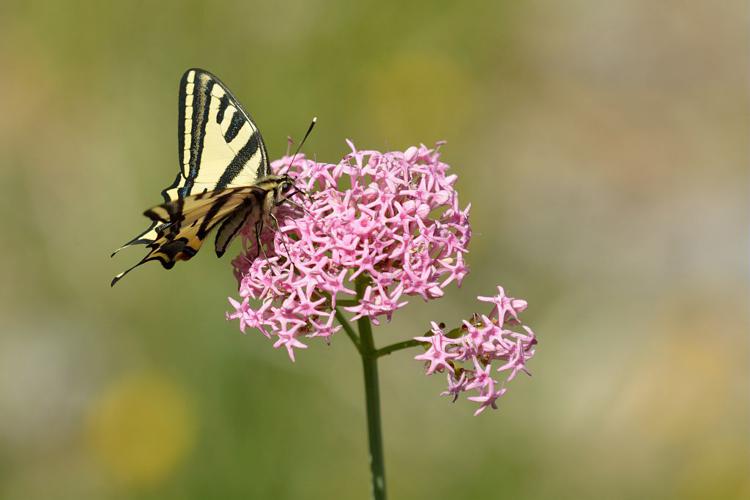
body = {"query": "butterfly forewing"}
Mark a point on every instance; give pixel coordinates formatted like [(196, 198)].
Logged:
[(219, 144)]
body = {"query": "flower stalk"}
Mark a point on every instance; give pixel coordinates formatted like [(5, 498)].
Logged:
[(406, 344), (372, 399), (349, 330)]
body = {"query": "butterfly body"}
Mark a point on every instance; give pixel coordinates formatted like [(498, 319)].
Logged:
[(224, 180)]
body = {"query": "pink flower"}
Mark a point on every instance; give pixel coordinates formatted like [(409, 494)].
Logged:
[(438, 355), (455, 385), (505, 307), (488, 397), (390, 218), (482, 346)]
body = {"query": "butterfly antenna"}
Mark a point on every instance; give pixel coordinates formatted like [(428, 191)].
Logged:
[(309, 129)]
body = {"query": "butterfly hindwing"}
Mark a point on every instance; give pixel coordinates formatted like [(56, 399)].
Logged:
[(251, 212), (180, 226)]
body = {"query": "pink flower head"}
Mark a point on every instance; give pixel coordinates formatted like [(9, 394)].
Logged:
[(392, 219), (479, 349)]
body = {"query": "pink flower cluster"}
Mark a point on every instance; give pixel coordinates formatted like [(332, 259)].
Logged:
[(390, 218), (469, 353)]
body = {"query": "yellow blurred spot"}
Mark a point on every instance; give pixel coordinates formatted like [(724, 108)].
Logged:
[(140, 428), (688, 385), (716, 468), (419, 97)]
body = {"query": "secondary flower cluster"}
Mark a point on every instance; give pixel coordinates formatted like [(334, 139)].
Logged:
[(392, 219), (469, 353)]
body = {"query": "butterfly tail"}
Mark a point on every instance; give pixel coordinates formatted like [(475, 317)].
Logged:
[(146, 237), (126, 271)]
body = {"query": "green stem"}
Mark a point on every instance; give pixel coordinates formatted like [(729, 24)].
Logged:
[(397, 347), (349, 330), (384, 351), (346, 302), (372, 400)]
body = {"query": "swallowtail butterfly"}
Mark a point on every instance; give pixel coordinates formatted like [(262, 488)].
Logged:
[(224, 178)]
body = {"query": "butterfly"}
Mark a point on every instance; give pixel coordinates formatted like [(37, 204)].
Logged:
[(224, 180)]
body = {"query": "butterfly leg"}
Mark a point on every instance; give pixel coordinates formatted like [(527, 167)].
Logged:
[(283, 242), (261, 248), (258, 244)]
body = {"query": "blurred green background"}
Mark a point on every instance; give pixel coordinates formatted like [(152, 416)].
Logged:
[(603, 146)]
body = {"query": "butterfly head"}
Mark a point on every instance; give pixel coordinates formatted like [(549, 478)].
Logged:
[(285, 188), (286, 185)]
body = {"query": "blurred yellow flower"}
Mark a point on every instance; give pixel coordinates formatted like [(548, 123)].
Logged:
[(140, 428)]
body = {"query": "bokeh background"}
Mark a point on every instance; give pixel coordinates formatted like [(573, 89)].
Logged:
[(603, 146)]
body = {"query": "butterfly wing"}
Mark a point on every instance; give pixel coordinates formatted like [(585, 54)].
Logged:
[(251, 212), (220, 148), (219, 144), (183, 224)]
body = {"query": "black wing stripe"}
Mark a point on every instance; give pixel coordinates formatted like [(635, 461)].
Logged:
[(238, 162), (230, 227), (180, 131), (165, 191), (234, 126), (208, 221), (201, 107), (223, 104)]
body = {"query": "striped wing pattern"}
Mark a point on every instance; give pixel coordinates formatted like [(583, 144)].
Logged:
[(222, 155)]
